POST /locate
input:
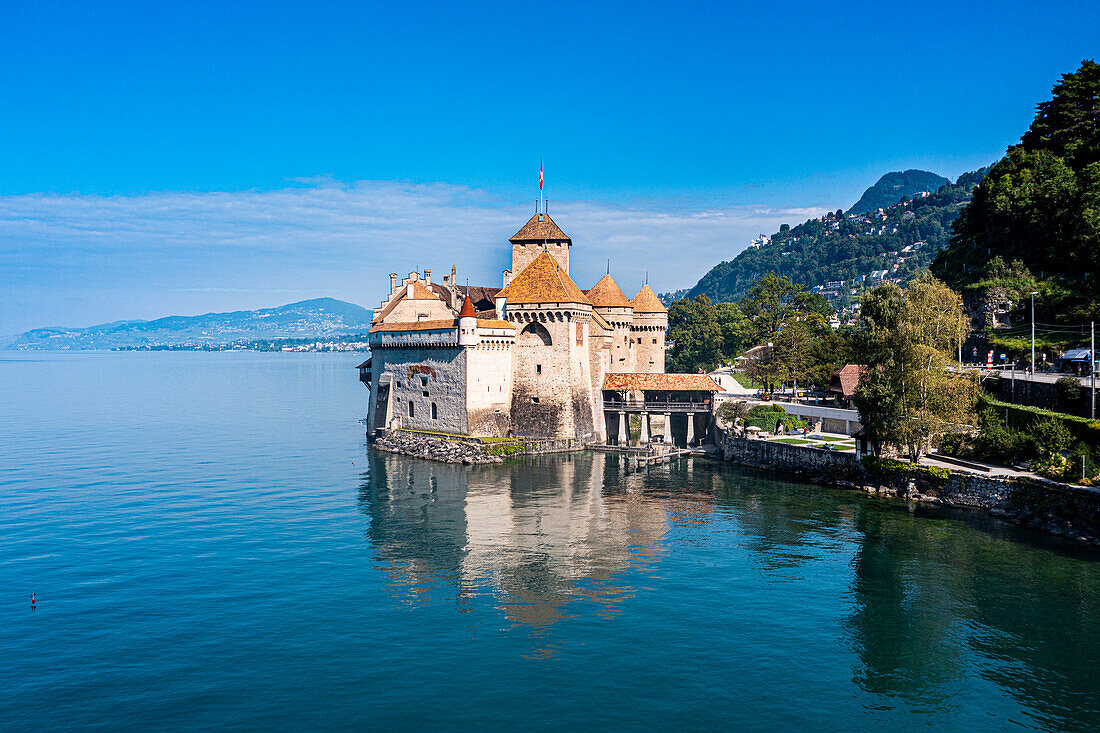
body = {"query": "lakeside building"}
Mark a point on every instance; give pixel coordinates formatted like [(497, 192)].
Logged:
[(531, 358)]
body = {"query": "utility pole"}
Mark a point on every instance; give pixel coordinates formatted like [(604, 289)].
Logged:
[(1033, 294)]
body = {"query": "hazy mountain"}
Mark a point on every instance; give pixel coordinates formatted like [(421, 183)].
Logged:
[(321, 317), (892, 187)]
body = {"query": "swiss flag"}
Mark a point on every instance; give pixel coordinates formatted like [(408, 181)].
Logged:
[(540, 174)]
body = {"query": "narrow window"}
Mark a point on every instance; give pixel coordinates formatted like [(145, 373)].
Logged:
[(425, 393), (423, 381), (654, 340), (435, 412), (538, 368)]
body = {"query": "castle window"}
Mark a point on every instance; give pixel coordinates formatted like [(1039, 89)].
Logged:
[(423, 381), (535, 400), (412, 409), (538, 368), (435, 412), (654, 340), (425, 393)]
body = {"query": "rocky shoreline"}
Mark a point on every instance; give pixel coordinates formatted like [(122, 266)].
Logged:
[(434, 449)]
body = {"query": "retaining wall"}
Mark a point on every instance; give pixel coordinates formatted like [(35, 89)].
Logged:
[(1058, 509)]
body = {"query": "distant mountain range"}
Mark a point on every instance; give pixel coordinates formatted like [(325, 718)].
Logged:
[(841, 252), (894, 186), (317, 318)]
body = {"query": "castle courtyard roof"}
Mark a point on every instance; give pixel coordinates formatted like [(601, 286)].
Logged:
[(543, 281), (538, 228), (607, 294), (660, 383), (646, 301)]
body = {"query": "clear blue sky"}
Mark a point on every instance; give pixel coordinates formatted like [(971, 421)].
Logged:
[(775, 108)]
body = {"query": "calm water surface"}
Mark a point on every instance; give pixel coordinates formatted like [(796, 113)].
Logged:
[(213, 546)]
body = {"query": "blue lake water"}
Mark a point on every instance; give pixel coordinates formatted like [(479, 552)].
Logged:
[(214, 546)]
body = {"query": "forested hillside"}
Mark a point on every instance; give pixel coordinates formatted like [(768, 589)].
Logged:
[(895, 186), (838, 253), (1034, 223)]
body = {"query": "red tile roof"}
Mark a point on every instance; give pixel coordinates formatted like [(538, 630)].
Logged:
[(660, 382), (845, 380), (543, 281), (491, 323), (467, 309), (538, 231), (607, 294), (415, 326), (646, 301)]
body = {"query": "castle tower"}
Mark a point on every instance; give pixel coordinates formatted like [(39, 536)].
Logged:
[(611, 303), (467, 324), (552, 384), (539, 234), (648, 332)]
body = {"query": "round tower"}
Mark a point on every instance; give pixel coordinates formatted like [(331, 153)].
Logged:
[(467, 324), (648, 331)]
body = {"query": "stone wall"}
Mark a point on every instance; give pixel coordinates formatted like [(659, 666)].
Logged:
[(489, 388), (523, 253), (787, 457), (422, 377), (648, 331), (1058, 509)]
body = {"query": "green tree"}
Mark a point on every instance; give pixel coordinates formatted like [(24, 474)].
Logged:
[(696, 335), (909, 396)]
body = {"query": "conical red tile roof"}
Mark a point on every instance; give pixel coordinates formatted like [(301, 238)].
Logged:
[(646, 301), (607, 294)]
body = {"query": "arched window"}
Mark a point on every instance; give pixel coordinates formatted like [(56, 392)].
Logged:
[(535, 334)]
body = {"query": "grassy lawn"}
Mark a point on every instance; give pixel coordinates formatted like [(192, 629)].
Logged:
[(793, 441), (746, 381), (840, 446)]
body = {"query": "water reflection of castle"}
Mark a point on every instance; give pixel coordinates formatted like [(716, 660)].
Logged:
[(549, 532)]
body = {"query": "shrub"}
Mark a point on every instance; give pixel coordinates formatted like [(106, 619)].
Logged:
[(768, 417), (1069, 392)]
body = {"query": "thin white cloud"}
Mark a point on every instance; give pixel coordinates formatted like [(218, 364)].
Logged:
[(78, 259)]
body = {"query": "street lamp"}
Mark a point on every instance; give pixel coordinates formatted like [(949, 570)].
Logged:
[(1033, 294)]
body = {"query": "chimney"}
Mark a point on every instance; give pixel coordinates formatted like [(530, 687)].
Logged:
[(393, 283), (427, 277)]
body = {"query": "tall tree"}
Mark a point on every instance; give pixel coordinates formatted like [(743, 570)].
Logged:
[(909, 396), (696, 335)]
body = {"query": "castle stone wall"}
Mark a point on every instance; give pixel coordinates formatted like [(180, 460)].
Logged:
[(523, 253), (489, 388), (438, 371)]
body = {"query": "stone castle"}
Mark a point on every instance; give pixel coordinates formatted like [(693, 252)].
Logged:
[(537, 357)]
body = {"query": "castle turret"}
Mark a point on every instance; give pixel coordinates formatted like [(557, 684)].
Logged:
[(648, 332), (611, 303), (467, 324)]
